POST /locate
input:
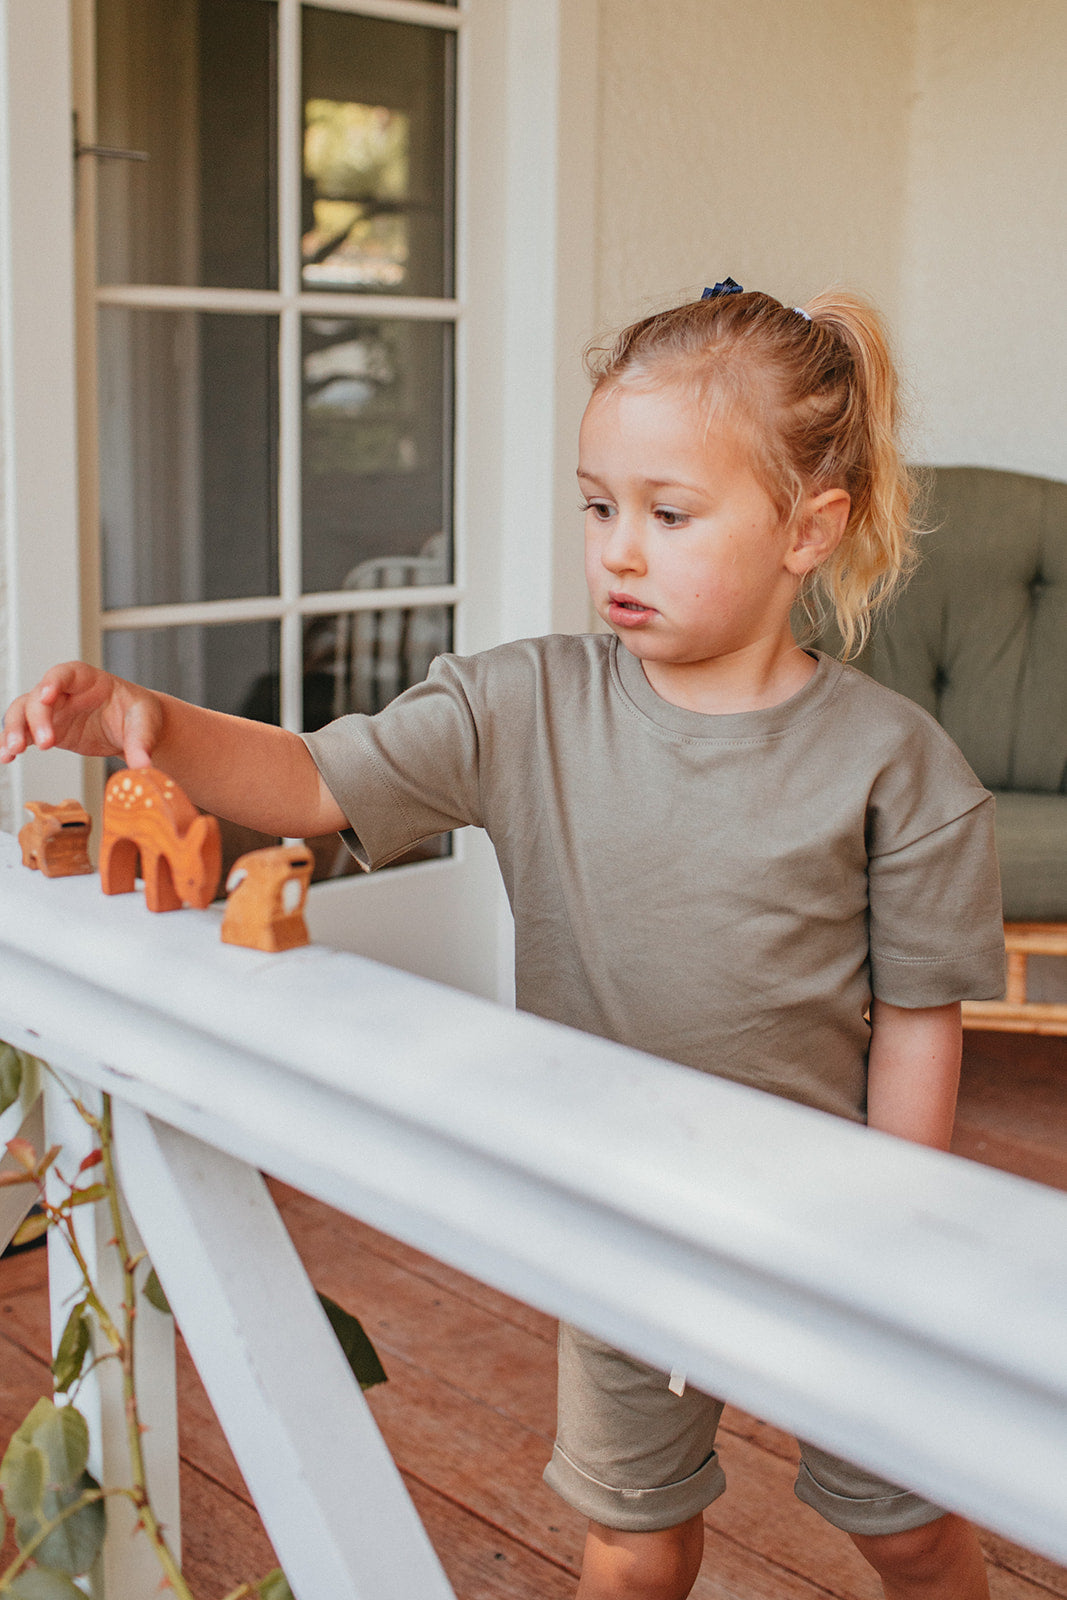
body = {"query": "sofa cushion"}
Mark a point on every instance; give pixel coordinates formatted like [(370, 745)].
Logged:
[(1032, 846), (979, 637)]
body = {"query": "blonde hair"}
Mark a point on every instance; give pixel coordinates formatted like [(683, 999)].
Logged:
[(814, 392)]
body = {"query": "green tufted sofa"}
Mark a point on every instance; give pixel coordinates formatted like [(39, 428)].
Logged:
[(979, 638)]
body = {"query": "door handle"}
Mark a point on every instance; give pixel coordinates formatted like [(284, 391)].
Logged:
[(106, 152)]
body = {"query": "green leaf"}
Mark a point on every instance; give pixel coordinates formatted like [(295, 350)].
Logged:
[(73, 1349), (153, 1293), (75, 1544), (358, 1350), (35, 1224), (41, 1583), (87, 1196), (275, 1586), (22, 1477), (62, 1435), (11, 1062)]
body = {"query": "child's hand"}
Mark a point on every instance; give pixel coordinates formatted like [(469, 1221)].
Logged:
[(87, 710)]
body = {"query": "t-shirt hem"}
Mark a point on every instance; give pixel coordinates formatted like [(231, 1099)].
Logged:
[(913, 982)]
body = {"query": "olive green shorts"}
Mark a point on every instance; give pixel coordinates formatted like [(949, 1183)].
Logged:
[(633, 1455)]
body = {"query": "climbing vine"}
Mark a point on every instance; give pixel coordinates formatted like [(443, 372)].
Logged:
[(57, 1508)]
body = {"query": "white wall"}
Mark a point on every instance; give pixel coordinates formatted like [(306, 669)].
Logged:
[(913, 149), (985, 297), (764, 140)]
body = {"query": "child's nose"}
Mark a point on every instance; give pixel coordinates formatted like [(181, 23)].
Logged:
[(623, 548)]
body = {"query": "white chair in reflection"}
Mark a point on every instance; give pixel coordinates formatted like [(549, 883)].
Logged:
[(379, 654)]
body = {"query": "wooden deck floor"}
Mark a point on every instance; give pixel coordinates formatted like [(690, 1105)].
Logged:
[(469, 1408)]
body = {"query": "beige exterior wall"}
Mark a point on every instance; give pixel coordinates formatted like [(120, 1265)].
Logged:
[(912, 149), (985, 288), (768, 141)]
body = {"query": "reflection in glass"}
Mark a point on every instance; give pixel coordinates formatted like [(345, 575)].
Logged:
[(232, 668), (192, 83), (188, 447), (360, 660), (377, 426), (378, 157)]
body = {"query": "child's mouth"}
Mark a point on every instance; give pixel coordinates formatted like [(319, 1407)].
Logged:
[(625, 610)]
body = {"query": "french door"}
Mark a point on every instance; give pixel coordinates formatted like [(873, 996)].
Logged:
[(276, 357), (323, 414)]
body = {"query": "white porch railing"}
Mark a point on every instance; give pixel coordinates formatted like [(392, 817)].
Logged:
[(899, 1306)]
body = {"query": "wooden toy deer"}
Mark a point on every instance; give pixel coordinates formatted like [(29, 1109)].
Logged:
[(147, 815), (57, 840), (268, 890)]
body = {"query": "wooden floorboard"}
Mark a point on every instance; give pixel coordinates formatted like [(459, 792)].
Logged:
[(469, 1407)]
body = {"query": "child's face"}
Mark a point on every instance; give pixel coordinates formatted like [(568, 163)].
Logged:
[(687, 558)]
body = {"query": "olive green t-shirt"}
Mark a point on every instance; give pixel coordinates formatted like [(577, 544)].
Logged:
[(725, 891)]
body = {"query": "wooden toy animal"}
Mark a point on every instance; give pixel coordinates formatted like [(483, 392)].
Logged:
[(57, 840), (147, 815), (268, 891)]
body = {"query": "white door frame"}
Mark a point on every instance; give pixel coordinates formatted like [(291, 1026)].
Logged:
[(37, 368), (529, 285)]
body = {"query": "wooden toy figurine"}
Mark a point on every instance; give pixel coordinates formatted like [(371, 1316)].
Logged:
[(57, 840), (146, 814), (268, 891)]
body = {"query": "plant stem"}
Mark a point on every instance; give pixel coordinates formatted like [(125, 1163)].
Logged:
[(148, 1518)]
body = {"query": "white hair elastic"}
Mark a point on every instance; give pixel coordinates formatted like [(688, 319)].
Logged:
[(802, 313)]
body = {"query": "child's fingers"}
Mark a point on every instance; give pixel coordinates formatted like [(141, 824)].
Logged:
[(22, 727), (14, 740), (30, 718), (139, 733)]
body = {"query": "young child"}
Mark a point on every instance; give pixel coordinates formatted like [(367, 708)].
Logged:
[(720, 847)]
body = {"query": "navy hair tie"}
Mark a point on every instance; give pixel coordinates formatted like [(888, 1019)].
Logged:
[(727, 286)]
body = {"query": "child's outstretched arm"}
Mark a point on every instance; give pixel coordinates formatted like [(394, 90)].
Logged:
[(913, 1071), (251, 772)]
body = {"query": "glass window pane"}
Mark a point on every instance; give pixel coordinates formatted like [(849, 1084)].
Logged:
[(377, 440), (188, 448), (378, 155), (360, 660), (192, 82), (231, 668)]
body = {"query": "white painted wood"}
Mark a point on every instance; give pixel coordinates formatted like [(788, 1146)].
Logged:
[(128, 1566), (23, 1120), (37, 386), (887, 1301), (420, 11), (214, 612), (290, 364), (336, 1508), (255, 302)]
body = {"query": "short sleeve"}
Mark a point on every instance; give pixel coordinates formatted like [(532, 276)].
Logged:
[(407, 773), (936, 929)]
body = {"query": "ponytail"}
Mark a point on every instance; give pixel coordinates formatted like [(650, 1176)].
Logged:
[(877, 554)]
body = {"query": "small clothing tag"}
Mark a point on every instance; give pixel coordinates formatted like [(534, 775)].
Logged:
[(677, 1381)]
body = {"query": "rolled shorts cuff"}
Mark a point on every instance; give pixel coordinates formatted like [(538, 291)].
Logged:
[(880, 1514), (635, 1510)]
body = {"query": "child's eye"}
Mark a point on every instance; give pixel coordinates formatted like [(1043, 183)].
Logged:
[(600, 509), (671, 518)]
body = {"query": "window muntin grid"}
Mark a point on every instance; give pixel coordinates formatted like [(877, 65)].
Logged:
[(287, 599)]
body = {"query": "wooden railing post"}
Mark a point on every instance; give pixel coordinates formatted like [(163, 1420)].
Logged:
[(319, 1471)]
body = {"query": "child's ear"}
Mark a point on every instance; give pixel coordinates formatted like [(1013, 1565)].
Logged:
[(818, 530)]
